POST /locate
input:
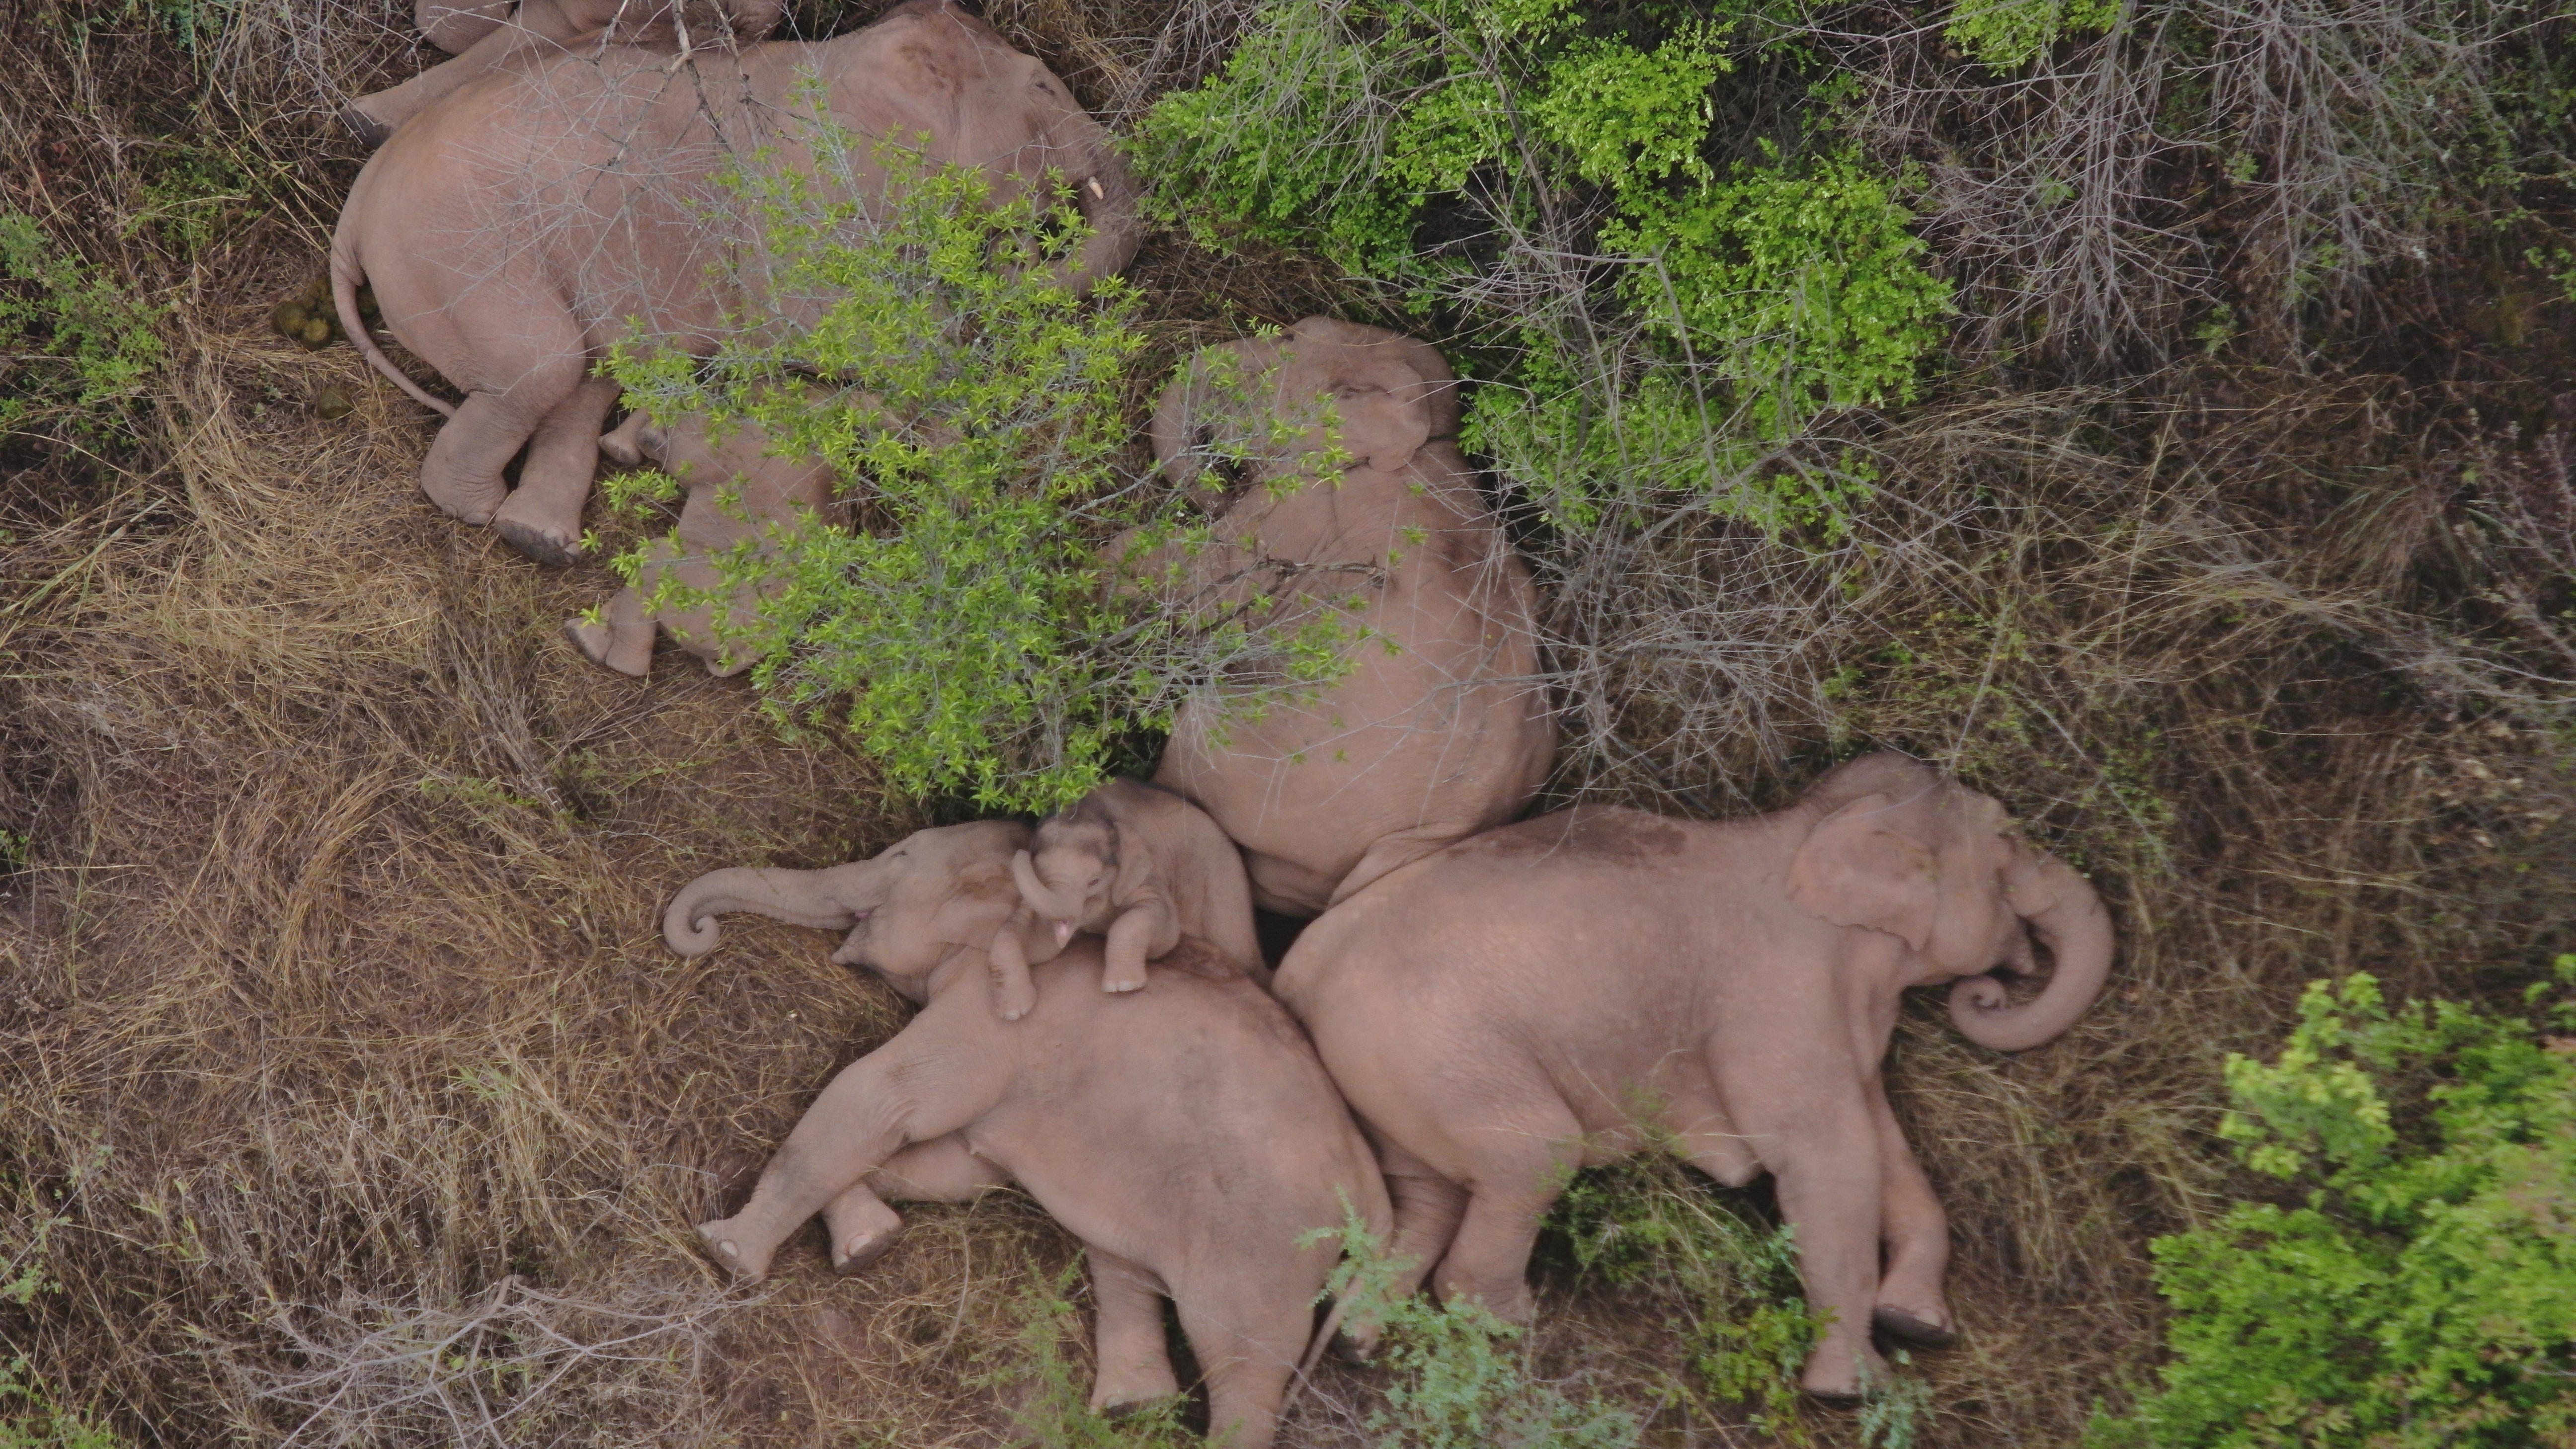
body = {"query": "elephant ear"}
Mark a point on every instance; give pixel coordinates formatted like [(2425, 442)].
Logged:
[(1384, 417), (1856, 868)]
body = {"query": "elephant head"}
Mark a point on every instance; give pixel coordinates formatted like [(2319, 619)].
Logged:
[(1275, 402), (908, 910), (1899, 847), (1066, 875)]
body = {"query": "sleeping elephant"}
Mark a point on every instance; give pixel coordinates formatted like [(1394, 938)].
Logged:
[(519, 228), (1186, 1134), (1140, 867), (739, 500), (1352, 503), (484, 38), (1508, 1010)]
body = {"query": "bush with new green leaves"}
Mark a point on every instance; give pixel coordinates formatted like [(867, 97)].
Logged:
[(1659, 324), (2419, 1287), (77, 350), (974, 632)]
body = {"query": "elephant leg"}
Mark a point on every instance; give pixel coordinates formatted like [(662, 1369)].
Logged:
[(623, 640), (1427, 1208), (1823, 1153), (1248, 1343), (462, 474), (1014, 994), (861, 1225), (542, 518), (865, 1116), (1523, 1169), (1916, 1234), (453, 25), (1131, 936), (1135, 1359)]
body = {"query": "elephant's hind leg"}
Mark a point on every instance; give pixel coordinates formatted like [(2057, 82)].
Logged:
[(1518, 1174), (542, 519), (1135, 1359), (1248, 1342), (462, 474)]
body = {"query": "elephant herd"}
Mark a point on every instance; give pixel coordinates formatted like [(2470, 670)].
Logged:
[(1474, 1009)]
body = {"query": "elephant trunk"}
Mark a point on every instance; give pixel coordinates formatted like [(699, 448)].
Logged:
[(799, 897), (2068, 917)]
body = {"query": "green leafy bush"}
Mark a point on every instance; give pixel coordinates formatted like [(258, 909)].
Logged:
[(2004, 35), (970, 633), (1661, 323), (1729, 1287), (76, 349), (2422, 1289), (1457, 1376)]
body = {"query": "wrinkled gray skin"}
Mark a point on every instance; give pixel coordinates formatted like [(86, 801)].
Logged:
[(1503, 1012), (1140, 867), (517, 228), (736, 492), (485, 38), (1445, 734), (1186, 1135)]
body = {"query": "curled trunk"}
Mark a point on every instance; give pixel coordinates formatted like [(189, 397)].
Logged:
[(2068, 918), (799, 897)]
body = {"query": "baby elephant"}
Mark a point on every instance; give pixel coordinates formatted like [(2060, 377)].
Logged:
[(1505, 1011), (1186, 1135), (1140, 866), (741, 503)]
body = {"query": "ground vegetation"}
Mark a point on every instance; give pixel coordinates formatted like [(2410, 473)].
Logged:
[(2159, 414)]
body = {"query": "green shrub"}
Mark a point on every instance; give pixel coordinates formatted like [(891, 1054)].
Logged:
[(970, 634), (1457, 1376), (1660, 323), (2004, 35), (1052, 1404), (2421, 1289), (77, 350)]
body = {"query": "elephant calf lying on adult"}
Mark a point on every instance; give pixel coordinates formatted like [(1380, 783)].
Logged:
[(1441, 726), (1500, 1013), (519, 228), (1143, 869), (1186, 1134), (485, 38), (737, 494)]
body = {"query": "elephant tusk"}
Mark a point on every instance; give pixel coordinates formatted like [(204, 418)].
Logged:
[(1096, 193)]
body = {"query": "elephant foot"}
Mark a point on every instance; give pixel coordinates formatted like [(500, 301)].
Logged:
[(602, 644), (1842, 1379), (723, 1246), (1912, 1328), (1115, 981), (1013, 1000), (546, 543), (857, 1253)]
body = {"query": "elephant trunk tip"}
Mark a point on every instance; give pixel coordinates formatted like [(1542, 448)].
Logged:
[(688, 932)]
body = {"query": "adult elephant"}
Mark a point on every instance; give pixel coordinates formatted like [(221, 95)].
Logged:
[(1350, 502), (484, 38), (541, 213), (1561, 992)]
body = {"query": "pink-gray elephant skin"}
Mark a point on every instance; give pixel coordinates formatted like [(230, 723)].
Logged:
[(485, 38), (1140, 867), (519, 227), (1441, 727), (737, 493), (1187, 1134), (1556, 993)]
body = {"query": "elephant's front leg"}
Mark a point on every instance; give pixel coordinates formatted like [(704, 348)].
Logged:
[(1911, 1305), (623, 637), (1821, 1145), (1132, 939), (912, 1089), (1007, 959), (863, 1228)]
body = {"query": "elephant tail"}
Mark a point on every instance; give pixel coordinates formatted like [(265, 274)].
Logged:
[(346, 274), (1314, 1355)]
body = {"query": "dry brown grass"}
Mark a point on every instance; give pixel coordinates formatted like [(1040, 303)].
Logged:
[(340, 1041)]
